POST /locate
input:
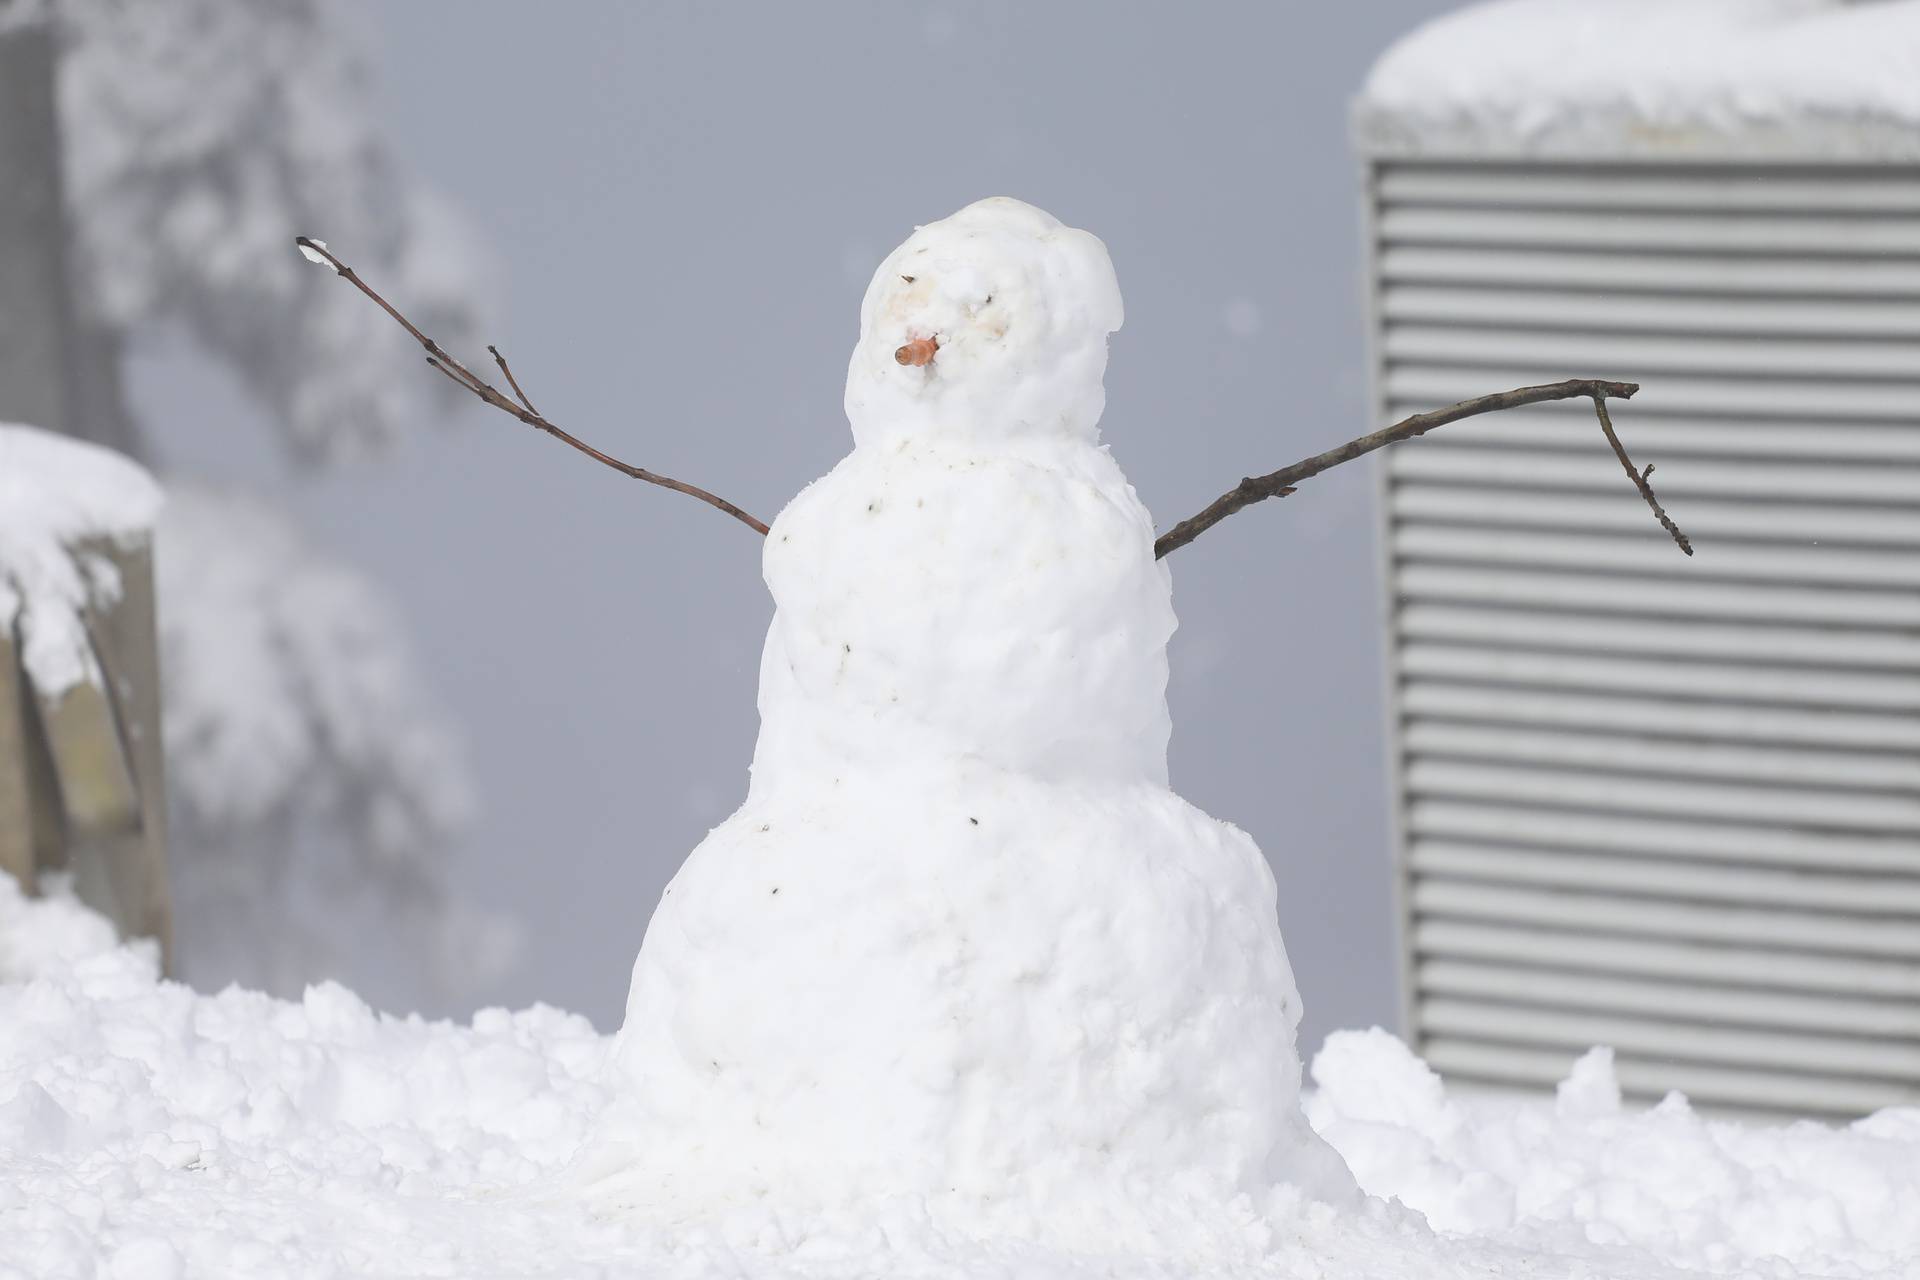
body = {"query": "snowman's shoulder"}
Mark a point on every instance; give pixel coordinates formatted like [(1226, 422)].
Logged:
[(933, 478)]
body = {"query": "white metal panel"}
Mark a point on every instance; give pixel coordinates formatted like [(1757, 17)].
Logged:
[(1833, 935), (1544, 827), (1725, 681), (1631, 188), (1651, 354), (1569, 632), (1736, 1086), (1669, 803), (1669, 878), (1556, 988), (1638, 753), (1872, 319), (1651, 272), (1542, 469), (1761, 968), (1570, 426), (1783, 233), (1828, 1054), (1665, 598), (1726, 520), (1647, 551), (1431, 384)]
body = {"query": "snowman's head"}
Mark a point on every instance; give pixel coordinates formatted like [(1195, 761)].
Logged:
[(992, 322)]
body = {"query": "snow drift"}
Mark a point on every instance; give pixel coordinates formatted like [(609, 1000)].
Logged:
[(149, 1132)]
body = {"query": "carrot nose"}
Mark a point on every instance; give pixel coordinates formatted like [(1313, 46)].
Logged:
[(919, 352)]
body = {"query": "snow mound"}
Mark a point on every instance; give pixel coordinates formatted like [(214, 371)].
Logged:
[(1654, 76), (150, 1131), (1702, 1194), (58, 497), (147, 1131)]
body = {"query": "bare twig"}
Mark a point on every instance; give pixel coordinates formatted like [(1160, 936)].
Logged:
[(523, 410), (512, 381), (1639, 478), (1279, 484)]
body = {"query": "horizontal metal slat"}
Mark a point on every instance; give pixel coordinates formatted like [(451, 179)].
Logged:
[(1889, 191), (1810, 234), (1641, 917), (1648, 273), (1573, 789), (1648, 355), (1709, 520), (1569, 426), (1670, 393), (1721, 1046), (1726, 477), (1561, 709), (1667, 878), (1764, 968), (1547, 827), (1754, 315), (1634, 753), (1746, 684), (1743, 1086), (1670, 999), (1595, 593), (1648, 551), (1607, 633)]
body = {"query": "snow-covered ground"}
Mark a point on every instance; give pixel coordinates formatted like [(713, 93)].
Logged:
[(147, 1131)]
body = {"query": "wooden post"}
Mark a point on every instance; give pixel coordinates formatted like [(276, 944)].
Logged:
[(81, 780), (36, 302), (104, 742), (29, 813)]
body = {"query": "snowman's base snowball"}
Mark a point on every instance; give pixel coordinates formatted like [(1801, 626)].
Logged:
[(1056, 1002)]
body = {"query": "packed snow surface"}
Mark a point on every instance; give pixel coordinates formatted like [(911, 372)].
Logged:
[(61, 501), (148, 1132), (1602, 76)]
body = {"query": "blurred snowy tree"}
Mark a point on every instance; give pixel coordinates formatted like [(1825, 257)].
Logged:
[(314, 788)]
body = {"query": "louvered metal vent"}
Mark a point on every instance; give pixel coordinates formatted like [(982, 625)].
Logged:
[(1665, 804)]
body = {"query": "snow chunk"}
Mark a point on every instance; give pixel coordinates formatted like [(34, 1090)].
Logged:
[(1621, 77), (50, 933), (1704, 1195), (57, 495)]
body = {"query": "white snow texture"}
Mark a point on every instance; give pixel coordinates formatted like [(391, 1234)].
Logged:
[(961, 941), (1654, 76), (61, 500), (148, 1132)]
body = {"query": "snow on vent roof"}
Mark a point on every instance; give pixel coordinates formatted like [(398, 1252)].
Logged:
[(1800, 78), (55, 495)]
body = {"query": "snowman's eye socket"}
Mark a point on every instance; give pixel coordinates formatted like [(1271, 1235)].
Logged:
[(908, 279)]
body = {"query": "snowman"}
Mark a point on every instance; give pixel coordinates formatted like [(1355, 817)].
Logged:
[(961, 943)]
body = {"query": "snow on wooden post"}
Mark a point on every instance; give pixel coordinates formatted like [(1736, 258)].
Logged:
[(81, 771), (1669, 805)]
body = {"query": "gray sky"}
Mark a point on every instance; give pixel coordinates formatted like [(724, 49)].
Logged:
[(685, 203)]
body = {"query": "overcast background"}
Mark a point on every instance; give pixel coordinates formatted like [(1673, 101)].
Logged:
[(684, 204)]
